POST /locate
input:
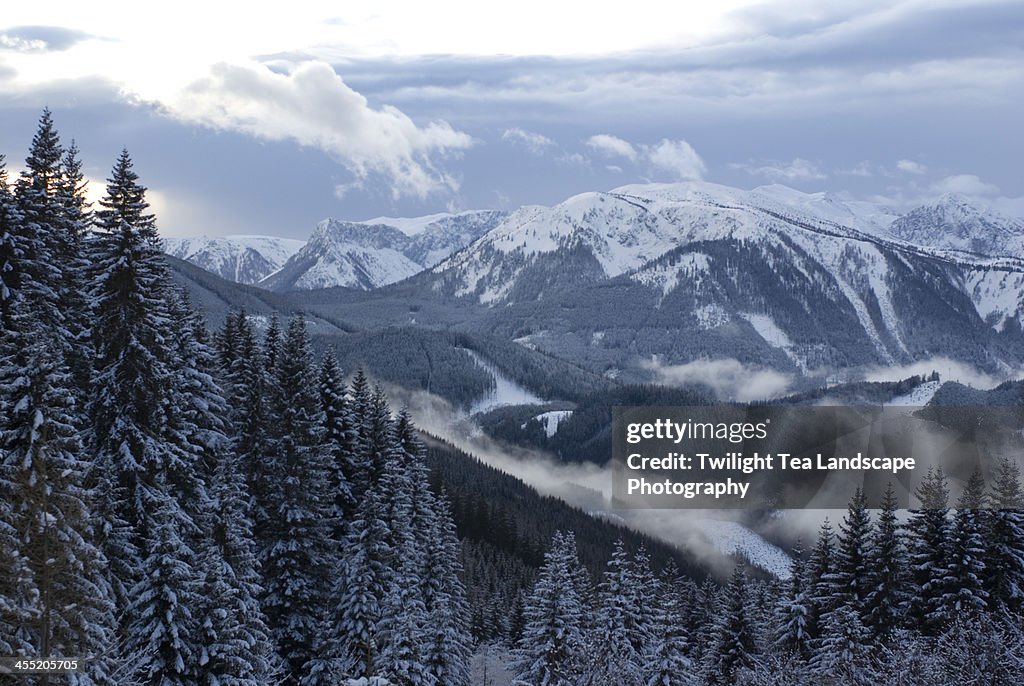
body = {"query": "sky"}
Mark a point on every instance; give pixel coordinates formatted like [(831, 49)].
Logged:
[(267, 122)]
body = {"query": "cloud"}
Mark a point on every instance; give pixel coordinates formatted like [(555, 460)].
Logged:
[(948, 369), (612, 146), (863, 169), (965, 184), (535, 143), (40, 38), (313, 106), (730, 379), (798, 169), (911, 167), (674, 156), (677, 157)]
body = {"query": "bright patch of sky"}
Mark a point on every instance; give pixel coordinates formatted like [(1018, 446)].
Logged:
[(267, 120)]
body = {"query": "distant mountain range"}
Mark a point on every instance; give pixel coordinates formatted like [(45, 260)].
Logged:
[(641, 279), (242, 259)]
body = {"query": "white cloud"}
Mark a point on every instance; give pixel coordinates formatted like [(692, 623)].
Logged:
[(965, 184), (948, 369), (313, 106), (911, 167), (536, 143), (862, 169), (678, 158), (730, 379), (612, 146), (798, 169)]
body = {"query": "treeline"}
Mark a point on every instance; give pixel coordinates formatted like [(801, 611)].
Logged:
[(935, 600), (181, 510)]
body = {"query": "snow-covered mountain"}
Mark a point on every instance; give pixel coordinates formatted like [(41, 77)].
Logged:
[(242, 259), (768, 276), (954, 223), (378, 252)]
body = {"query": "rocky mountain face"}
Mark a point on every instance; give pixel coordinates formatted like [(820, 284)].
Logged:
[(242, 259), (378, 252)]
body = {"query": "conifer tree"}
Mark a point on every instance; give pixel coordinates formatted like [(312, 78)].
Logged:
[(821, 579), (614, 658), (792, 611), (853, 550), (965, 569), (666, 662), (1005, 555), (842, 653), (887, 597), (342, 441), (549, 652), (928, 544), (732, 648), (297, 557), (131, 396)]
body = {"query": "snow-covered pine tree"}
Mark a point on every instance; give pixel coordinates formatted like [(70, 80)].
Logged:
[(44, 475), (1005, 554), (550, 649), (149, 429), (46, 239), (792, 611), (448, 643), (298, 556), (238, 649), (853, 551), (821, 579), (842, 654), (360, 587), (403, 612), (887, 598), (163, 629), (613, 657), (342, 441), (964, 587), (246, 384), (666, 662), (77, 219), (928, 553), (13, 248), (132, 387), (732, 647)]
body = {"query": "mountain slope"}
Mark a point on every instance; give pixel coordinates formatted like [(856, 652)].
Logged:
[(242, 259), (694, 271), (952, 222), (377, 252)]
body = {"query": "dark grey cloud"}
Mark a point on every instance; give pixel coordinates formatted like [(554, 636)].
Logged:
[(40, 38)]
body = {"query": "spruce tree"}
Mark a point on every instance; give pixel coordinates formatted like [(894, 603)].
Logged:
[(887, 598), (792, 612), (732, 648), (298, 556), (614, 657), (666, 662), (965, 569), (1005, 554), (549, 651), (821, 579), (853, 551), (928, 552)]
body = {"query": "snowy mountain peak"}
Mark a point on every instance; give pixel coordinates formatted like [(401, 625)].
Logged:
[(373, 253), (239, 258), (953, 222)]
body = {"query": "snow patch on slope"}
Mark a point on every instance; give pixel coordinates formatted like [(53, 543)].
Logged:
[(732, 538)]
